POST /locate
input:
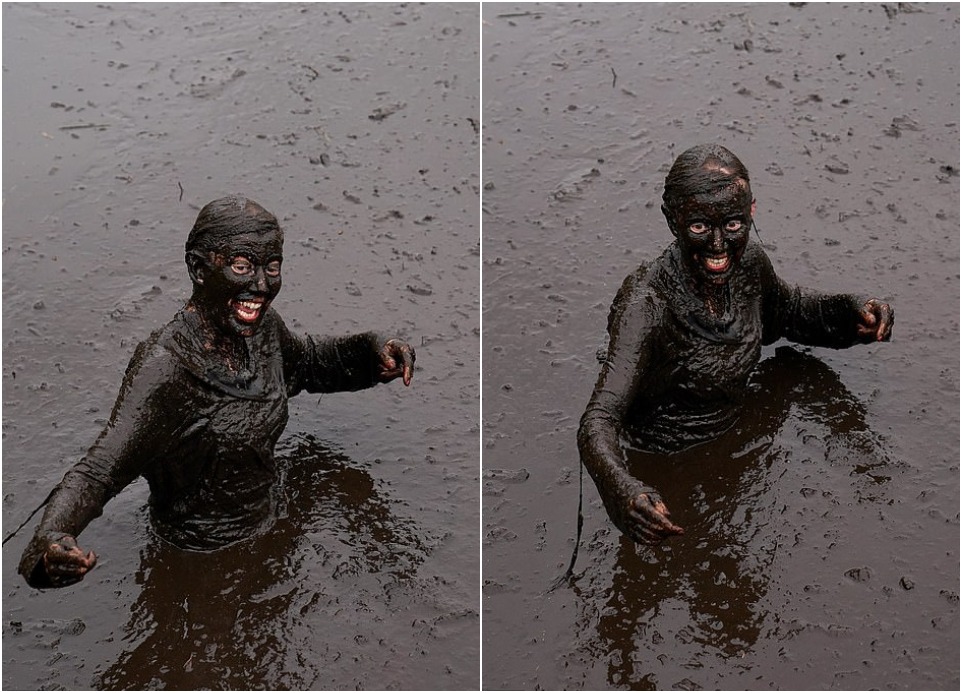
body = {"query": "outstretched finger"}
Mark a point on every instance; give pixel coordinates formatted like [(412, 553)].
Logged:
[(669, 526), (387, 356), (656, 514), (651, 534), (91, 560), (407, 361), (666, 527), (887, 319), (654, 523)]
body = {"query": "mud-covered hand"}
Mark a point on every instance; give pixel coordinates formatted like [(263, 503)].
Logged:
[(396, 360), (640, 513), (875, 321), (66, 563)]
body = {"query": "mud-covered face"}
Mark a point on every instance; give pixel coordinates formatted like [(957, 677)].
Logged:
[(239, 281), (712, 231)]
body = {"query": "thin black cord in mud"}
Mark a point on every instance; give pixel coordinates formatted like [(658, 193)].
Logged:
[(569, 575), (24, 523)]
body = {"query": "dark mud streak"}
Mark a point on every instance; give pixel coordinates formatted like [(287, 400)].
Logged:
[(370, 579), (850, 467)]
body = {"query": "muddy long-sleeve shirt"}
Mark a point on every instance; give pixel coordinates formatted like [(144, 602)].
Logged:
[(202, 437), (675, 374)]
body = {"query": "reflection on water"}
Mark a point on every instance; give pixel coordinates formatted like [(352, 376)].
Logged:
[(703, 594), (236, 615)]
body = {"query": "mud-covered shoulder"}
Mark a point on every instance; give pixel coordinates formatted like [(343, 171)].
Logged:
[(635, 317), (273, 322), (756, 262), (640, 293), (756, 281), (158, 369), (152, 359), (274, 334)]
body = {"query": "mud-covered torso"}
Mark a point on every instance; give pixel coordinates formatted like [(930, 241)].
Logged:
[(699, 361), (212, 484)]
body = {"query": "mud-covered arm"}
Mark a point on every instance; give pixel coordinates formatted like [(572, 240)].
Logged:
[(139, 429), (339, 364), (634, 507), (836, 321)]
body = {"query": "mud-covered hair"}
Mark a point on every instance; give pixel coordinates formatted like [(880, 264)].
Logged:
[(229, 216), (705, 169)]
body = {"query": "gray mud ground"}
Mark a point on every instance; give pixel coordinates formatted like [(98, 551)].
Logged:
[(357, 126), (823, 540)]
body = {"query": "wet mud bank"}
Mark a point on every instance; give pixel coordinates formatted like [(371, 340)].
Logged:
[(357, 126), (822, 531)]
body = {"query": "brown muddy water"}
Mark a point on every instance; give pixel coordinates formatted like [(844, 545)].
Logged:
[(822, 545), (357, 126)]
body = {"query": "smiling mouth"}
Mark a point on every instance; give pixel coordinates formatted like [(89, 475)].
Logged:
[(248, 311), (717, 264)]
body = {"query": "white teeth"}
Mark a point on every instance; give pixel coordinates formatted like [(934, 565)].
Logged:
[(247, 310), (716, 263)]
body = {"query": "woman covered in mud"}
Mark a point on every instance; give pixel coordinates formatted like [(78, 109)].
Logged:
[(686, 330), (204, 401)]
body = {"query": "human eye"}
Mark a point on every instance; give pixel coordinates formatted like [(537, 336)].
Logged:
[(273, 268), (698, 227), (241, 265), (734, 225)]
